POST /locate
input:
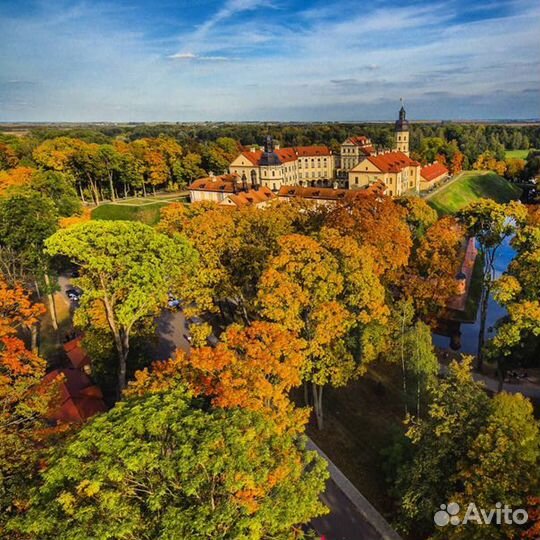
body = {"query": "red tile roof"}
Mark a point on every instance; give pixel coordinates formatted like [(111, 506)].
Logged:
[(361, 140), (433, 171), (286, 155), (76, 354), (319, 193), (392, 162), (329, 194), (79, 399), (251, 197), (223, 183), (308, 151)]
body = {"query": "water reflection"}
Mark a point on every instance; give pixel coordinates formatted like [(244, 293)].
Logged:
[(463, 337)]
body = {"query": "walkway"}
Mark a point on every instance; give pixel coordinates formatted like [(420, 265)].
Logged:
[(445, 185), (352, 517), (529, 390)]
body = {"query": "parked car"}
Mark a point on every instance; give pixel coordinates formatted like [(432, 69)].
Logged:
[(173, 302), (74, 294)]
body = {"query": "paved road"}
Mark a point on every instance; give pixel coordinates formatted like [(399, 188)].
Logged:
[(527, 389), (172, 334), (344, 522), (170, 327)]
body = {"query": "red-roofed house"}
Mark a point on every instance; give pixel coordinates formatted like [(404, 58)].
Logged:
[(432, 174), (396, 170), (79, 398), (213, 188), (259, 197), (273, 167), (76, 354), (328, 196)]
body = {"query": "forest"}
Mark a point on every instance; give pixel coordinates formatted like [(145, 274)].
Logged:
[(111, 162), (305, 301)]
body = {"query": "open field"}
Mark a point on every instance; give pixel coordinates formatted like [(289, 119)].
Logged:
[(145, 209), (519, 154), (147, 213), (473, 185)]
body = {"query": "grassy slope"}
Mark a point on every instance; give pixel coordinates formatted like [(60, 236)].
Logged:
[(520, 154), (471, 186), (148, 213)]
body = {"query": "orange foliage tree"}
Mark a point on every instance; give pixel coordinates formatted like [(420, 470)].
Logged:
[(17, 177), (430, 278), (326, 291), (23, 401), (254, 367), (379, 224)]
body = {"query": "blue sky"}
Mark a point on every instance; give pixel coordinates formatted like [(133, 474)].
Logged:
[(165, 60)]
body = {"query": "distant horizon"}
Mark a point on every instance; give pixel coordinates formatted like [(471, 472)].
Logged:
[(296, 60), (530, 121)]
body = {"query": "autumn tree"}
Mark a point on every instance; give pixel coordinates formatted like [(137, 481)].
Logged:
[(323, 290), (379, 224), (17, 177), (17, 311), (8, 157), (234, 247), (518, 337), (409, 344), (419, 215), (27, 219), (24, 401), (430, 279), (169, 466), (500, 466), (127, 269), (458, 410), (487, 161), (252, 367)]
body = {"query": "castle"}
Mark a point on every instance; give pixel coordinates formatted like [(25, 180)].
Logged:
[(357, 166)]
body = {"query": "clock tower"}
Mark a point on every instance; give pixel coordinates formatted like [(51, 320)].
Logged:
[(402, 131)]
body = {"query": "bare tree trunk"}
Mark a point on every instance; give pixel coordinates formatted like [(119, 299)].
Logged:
[(81, 192), (306, 394), (403, 368), (144, 189), (123, 354), (111, 186), (51, 302), (317, 402), (489, 271), (121, 342), (34, 338)]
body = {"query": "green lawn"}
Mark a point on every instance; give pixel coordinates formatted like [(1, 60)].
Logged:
[(147, 213), (519, 154), (470, 186)]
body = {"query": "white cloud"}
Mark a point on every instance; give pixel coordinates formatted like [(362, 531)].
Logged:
[(198, 58)]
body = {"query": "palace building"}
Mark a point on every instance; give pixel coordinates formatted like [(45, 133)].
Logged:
[(395, 169), (352, 151), (273, 167)]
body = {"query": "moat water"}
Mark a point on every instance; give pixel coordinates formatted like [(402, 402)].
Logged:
[(464, 336)]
